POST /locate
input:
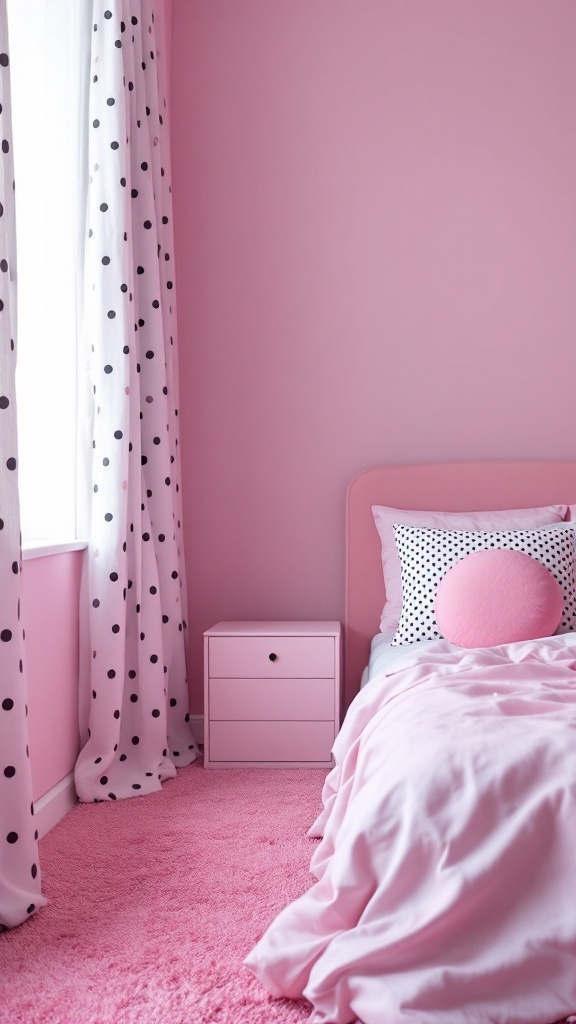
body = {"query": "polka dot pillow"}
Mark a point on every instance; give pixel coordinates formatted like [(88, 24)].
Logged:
[(427, 554)]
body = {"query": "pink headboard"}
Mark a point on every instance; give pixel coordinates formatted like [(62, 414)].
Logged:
[(448, 487)]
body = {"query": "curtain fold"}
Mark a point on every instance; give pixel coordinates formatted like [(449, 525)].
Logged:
[(20, 893), (138, 724)]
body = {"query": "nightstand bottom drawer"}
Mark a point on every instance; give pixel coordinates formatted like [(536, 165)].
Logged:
[(272, 699), (271, 741)]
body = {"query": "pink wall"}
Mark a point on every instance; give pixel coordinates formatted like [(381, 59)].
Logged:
[(50, 601), (168, 31), (376, 262)]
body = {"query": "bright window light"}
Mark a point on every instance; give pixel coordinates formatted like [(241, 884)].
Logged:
[(45, 75)]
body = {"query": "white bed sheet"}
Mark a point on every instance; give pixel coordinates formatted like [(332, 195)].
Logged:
[(383, 655)]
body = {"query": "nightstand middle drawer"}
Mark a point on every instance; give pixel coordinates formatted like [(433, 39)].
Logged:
[(272, 699), (274, 657)]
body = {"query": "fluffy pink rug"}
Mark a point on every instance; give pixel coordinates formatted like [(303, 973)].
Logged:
[(155, 901)]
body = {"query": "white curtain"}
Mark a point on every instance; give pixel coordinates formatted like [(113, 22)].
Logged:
[(20, 892), (138, 719)]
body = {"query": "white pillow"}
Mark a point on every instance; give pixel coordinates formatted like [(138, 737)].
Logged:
[(385, 518), (427, 554)]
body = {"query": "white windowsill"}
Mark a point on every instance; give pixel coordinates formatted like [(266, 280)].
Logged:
[(38, 548)]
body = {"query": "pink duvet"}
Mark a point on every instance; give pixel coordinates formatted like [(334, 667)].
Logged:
[(446, 871)]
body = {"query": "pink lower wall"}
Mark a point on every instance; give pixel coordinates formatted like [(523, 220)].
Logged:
[(50, 603), (375, 213)]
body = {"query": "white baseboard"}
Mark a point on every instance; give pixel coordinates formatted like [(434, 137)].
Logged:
[(197, 723), (52, 807)]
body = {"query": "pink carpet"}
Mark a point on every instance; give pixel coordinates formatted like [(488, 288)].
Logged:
[(155, 901)]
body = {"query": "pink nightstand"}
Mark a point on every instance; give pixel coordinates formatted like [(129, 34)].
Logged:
[(271, 694)]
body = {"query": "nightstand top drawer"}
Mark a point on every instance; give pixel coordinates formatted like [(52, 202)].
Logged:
[(271, 657), (284, 628)]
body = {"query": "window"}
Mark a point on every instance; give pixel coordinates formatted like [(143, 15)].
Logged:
[(49, 42)]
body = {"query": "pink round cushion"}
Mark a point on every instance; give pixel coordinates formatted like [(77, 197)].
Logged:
[(497, 597)]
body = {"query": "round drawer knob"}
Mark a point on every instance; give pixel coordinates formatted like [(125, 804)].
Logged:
[(273, 657)]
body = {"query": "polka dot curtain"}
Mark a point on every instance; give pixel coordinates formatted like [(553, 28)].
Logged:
[(139, 730), (19, 872)]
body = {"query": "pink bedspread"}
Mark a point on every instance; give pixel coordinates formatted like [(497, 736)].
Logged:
[(446, 872)]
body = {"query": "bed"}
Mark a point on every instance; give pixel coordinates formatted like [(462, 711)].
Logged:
[(445, 854)]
